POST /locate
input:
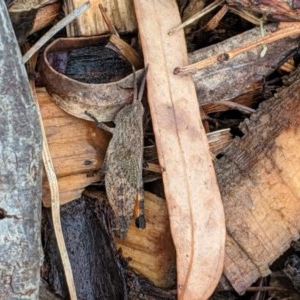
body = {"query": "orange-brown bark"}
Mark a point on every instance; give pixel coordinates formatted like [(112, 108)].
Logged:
[(77, 148), (259, 178)]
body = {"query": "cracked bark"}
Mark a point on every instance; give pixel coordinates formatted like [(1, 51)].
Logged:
[(20, 173)]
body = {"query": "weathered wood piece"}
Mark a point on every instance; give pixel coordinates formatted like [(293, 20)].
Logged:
[(194, 203), (283, 10), (77, 148), (151, 250), (99, 271), (20, 173), (229, 79), (96, 266), (259, 179), (120, 12), (32, 15)]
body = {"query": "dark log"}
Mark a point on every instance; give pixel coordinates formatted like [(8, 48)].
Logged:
[(96, 266), (20, 173), (99, 270)]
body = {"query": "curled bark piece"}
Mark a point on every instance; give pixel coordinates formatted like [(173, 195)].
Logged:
[(193, 198), (240, 72), (102, 101)]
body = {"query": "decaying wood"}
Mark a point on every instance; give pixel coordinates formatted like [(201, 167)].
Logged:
[(20, 173), (151, 250), (194, 203), (259, 182), (283, 10), (32, 15), (284, 30), (229, 79), (99, 271), (77, 148), (96, 266), (120, 12)]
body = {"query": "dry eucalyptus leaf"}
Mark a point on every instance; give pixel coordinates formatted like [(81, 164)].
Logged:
[(192, 194)]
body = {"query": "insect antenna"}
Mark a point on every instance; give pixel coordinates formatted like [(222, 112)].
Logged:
[(135, 88), (142, 87)]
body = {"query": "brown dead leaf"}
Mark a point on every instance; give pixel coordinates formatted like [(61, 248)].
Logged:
[(193, 198)]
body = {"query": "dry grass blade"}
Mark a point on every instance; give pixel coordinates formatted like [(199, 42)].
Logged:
[(55, 200), (107, 21), (55, 208), (197, 16), (246, 15)]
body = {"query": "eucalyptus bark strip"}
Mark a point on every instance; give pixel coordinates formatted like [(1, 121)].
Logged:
[(192, 194), (20, 174)]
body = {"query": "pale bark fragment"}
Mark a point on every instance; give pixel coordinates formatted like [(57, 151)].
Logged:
[(193, 199), (91, 22)]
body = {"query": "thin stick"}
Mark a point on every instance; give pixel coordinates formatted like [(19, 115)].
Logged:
[(107, 21), (56, 28), (289, 30), (245, 15), (265, 289), (234, 105), (197, 16), (214, 22)]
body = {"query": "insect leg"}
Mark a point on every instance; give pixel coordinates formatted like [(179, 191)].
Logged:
[(140, 221), (100, 124)]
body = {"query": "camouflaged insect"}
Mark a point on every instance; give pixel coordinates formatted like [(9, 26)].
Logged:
[(123, 164)]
